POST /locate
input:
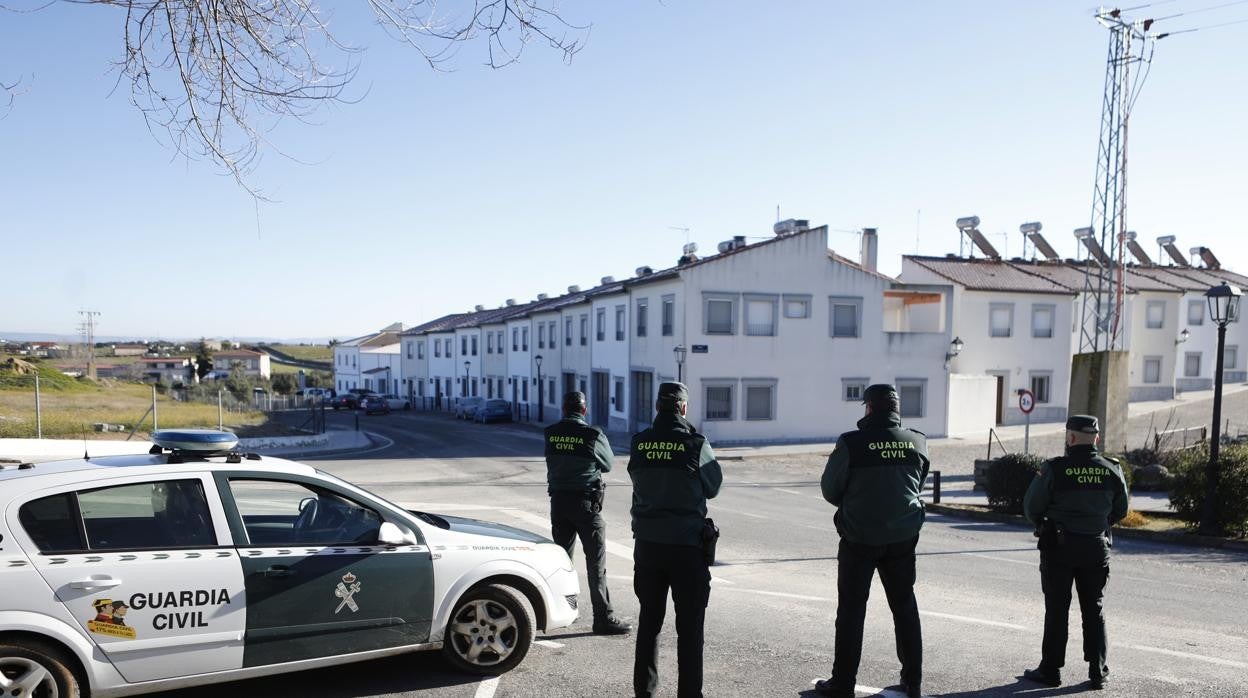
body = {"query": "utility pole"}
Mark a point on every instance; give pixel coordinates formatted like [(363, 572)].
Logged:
[(88, 328), (1099, 374)]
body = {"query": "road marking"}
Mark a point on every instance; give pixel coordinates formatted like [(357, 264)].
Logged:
[(819, 528), (548, 643), (781, 489), (614, 548), (486, 688), (371, 434), (781, 594), (1188, 655), (752, 516), (870, 690), (968, 619), (1029, 563)]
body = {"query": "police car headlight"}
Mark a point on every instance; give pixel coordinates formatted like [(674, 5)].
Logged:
[(553, 560)]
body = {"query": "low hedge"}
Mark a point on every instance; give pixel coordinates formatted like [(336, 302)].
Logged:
[(1007, 480), (1188, 496)]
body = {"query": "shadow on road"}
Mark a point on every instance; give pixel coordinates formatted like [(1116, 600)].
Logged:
[(1020, 687), (398, 675)]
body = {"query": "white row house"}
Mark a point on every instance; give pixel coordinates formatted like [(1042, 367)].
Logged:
[(371, 362), (777, 340)]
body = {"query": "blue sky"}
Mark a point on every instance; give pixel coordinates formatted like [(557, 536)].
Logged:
[(439, 191)]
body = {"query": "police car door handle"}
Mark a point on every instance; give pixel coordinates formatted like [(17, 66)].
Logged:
[(95, 582), (278, 571)]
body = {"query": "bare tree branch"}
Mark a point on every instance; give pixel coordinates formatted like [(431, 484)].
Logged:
[(213, 77)]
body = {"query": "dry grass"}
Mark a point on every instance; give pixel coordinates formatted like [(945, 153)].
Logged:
[(1134, 519), (307, 352), (71, 415)]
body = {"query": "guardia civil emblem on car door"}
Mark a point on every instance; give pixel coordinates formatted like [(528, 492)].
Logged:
[(346, 591)]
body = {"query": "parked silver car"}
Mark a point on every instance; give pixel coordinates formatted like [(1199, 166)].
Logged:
[(467, 407)]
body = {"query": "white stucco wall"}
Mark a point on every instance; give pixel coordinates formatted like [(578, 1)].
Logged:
[(576, 358), (610, 356), (973, 397)]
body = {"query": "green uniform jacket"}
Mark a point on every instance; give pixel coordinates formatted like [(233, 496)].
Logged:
[(576, 454), (1082, 491), (674, 472), (875, 476)]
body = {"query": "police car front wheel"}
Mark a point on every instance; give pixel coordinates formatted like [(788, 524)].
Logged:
[(32, 668), (491, 630)]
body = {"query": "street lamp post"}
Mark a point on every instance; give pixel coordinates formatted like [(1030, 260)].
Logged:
[(1223, 308), (541, 393), (680, 363), (467, 365)]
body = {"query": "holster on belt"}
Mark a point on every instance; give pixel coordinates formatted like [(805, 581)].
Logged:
[(1051, 534)]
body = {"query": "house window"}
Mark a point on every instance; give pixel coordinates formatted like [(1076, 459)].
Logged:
[(1040, 383), (913, 395), (437, 348), (474, 346), (408, 345), (1152, 369), (515, 339), (489, 343), (567, 332), (642, 304), (760, 399), (550, 392), (524, 339), (796, 307), (600, 324), (1042, 321), (619, 395), (845, 316), (463, 346), (584, 331), (1191, 364), (1195, 312), (1155, 315), (721, 314), (541, 336), (852, 389), (619, 323), (1001, 320), (551, 340), (760, 315), (446, 350), (719, 402), (1230, 356), (524, 390), (420, 350), (669, 315), (501, 341)]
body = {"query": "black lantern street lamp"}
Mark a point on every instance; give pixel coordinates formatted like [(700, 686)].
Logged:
[(680, 363), (541, 393), (1223, 309), (467, 365)]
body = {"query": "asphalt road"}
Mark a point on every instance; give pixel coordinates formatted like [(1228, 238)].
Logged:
[(1178, 617)]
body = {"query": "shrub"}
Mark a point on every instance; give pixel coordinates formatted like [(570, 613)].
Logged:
[(1188, 496), (1008, 479)]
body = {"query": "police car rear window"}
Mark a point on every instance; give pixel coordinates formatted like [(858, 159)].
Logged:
[(172, 514), (52, 523)]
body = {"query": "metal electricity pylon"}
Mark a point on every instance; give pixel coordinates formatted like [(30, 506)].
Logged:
[(1126, 67), (88, 330)]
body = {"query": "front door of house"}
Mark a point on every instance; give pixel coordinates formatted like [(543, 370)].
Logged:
[(643, 401), (601, 398)]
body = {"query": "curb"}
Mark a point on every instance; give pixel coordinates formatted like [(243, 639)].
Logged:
[(1186, 539)]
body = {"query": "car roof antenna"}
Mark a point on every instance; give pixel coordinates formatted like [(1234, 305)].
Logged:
[(85, 454)]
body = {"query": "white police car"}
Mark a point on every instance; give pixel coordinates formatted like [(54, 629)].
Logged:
[(195, 564)]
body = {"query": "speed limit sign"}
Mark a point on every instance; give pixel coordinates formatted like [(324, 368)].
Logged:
[(1026, 401)]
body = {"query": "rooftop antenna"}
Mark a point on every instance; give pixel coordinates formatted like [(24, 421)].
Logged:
[(683, 230)]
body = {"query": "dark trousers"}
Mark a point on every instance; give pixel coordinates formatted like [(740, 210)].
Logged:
[(1083, 560), (856, 563), (658, 567), (575, 514)]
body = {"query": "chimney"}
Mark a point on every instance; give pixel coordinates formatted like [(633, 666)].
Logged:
[(542, 296), (510, 302), (607, 280), (574, 289), (869, 249)]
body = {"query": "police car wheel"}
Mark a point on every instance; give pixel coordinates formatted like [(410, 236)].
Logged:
[(31, 668), (490, 631)]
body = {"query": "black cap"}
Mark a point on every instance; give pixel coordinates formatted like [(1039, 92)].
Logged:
[(120, 604), (574, 401), (1083, 423), (676, 392), (880, 394)]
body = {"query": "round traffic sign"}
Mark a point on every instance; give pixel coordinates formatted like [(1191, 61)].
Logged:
[(1026, 401)]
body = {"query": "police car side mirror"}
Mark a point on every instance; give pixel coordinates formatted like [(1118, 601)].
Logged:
[(391, 534)]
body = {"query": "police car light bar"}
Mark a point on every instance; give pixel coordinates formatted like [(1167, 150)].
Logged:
[(195, 440)]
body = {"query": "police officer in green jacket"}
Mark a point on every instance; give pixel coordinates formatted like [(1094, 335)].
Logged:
[(577, 454), (674, 472), (874, 477), (1073, 502)]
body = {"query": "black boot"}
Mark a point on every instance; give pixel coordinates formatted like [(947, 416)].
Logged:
[(1098, 676), (611, 625), (1045, 677)]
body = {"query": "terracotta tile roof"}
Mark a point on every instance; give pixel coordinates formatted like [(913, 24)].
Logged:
[(990, 275)]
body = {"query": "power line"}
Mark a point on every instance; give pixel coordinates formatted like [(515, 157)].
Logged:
[(1203, 9), (1208, 26)]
